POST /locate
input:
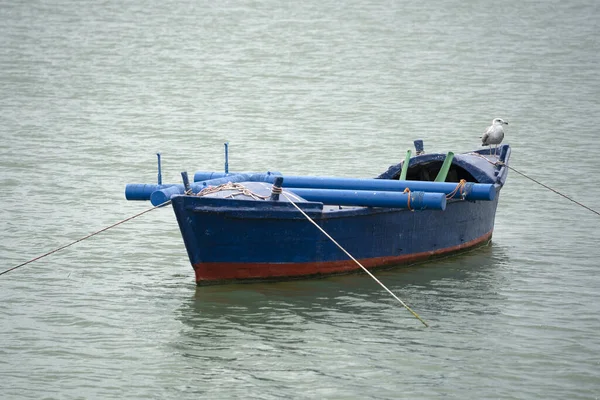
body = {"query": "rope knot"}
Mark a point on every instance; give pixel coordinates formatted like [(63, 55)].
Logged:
[(460, 188), (407, 190)]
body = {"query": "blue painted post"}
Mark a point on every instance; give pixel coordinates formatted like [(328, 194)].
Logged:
[(276, 190), (159, 170), (503, 152), (226, 157), (419, 147), (186, 181)]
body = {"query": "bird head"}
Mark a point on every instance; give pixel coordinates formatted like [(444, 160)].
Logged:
[(499, 121)]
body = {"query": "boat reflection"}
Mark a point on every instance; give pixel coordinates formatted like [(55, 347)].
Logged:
[(468, 282)]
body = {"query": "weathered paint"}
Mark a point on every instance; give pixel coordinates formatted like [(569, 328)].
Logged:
[(263, 239), (242, 239), (215, 273)]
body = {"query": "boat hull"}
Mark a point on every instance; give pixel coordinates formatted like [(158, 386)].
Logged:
[(243, 240)]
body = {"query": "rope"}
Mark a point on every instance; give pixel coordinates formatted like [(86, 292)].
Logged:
[(407, 190), (486, 159), (355, 260), (84, 238), (555, 191), (231, 186), (538, 182), (460, 187)]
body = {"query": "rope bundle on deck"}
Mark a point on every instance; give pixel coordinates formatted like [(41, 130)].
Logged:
[(241, 190)]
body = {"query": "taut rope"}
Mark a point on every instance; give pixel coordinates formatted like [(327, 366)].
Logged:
[(84, 238), (536, 181), (355, 260)]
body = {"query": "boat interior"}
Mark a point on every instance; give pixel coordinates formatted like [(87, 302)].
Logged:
[(428, 171)]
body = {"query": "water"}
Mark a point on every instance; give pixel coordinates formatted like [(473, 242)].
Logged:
[(91, 91)]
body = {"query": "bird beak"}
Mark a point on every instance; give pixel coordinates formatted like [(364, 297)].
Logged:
[(505, 123)]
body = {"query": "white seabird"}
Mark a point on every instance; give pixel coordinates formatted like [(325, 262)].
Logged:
[(494, 134)]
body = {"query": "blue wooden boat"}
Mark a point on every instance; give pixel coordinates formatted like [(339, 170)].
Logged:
[(248, 227)]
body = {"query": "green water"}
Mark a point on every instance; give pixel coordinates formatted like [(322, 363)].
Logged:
[(91, 91)]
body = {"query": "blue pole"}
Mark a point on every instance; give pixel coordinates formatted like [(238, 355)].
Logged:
[(143, 191), (366, 198), (226, 157), (419, 147), (186, 181), (159, 170), (503, 152), (471, 191), (206, 175)]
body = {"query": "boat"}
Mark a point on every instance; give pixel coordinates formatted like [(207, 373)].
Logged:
[(248, 226)]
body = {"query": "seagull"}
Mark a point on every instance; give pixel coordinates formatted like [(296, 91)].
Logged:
[(494, 134)]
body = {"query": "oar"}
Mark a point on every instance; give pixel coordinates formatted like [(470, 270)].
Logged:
[(405, 166), (441, 176)]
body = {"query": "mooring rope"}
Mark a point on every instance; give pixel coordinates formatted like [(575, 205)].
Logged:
[(84, 238), (355, 260), (536, 181), (554, 190)]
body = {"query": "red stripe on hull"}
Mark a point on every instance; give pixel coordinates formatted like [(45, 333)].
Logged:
[(211, 273)]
